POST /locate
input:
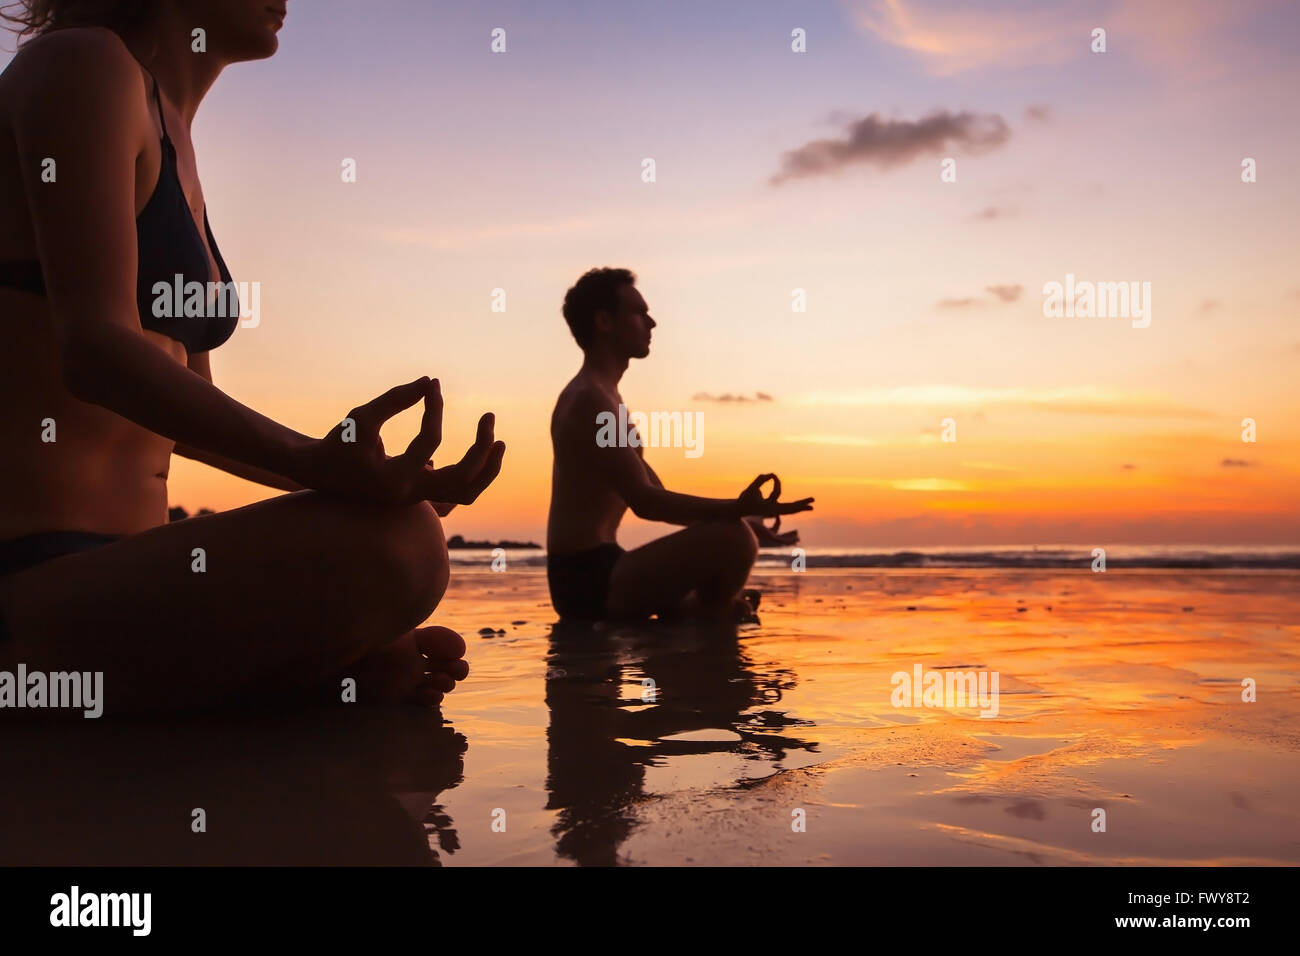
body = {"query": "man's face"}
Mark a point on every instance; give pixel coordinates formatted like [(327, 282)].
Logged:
[(630, 331)]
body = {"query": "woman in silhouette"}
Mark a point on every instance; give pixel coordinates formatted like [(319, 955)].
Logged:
[(101, 382)]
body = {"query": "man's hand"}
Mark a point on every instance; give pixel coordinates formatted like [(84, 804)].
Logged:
[(752, 502), (772, 537)]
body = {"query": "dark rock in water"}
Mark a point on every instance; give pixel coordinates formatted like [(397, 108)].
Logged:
[(180, 514), (911, 607), (517, 623), (1189, 609), (501, 630), (487, 632), (1021, 610), (457, 541)]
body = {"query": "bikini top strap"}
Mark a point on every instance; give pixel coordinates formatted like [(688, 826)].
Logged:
[(157, 96)]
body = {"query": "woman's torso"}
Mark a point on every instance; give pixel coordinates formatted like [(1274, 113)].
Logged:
[(101, 472)]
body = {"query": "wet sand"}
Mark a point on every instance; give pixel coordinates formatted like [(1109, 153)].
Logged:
[(1120, 691), (1125, 695)]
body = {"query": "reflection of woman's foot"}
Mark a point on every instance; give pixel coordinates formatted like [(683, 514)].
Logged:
[(419, 667)]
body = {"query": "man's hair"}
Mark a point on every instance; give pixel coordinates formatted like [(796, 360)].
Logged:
[(597, 290)]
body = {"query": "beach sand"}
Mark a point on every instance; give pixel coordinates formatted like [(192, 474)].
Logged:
[(1119, 691)]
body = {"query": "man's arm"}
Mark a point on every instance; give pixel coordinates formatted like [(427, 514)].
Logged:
[(200, 365), (637, 484), (649, 499), (767, 537)]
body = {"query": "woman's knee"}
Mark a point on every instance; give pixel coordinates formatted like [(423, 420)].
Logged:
[(746, 541), (417, 556), (402, 554)]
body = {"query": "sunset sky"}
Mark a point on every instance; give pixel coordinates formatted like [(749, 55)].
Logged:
[(520, 170)]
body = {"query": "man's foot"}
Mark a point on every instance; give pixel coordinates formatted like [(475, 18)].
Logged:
[(741, 610), (419, 667), (745, 607)]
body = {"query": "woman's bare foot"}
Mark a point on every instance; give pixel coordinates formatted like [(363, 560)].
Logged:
[(419, 667)]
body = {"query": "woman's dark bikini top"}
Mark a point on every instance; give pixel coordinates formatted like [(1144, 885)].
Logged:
[(168, 244)]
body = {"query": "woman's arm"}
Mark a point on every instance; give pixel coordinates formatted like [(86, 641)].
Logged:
[(199, 364), (86, 109)]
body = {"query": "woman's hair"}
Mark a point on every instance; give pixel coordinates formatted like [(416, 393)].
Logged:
[(31, 18)]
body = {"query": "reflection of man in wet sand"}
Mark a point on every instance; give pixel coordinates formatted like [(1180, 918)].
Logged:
[(600, 744), (699, 570)]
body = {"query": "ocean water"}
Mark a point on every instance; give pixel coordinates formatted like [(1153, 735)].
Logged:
[(1038, 556)]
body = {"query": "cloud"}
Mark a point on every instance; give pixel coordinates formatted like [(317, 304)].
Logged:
[(1129, 467), (909, 484), (886, 143), (452, 239), (950, 39), (856, 441), (1210, 305), (1235, 463), (729, 397), (1074, 400), (1006, 293), (1194, 37), (1038, 113), (990, 213)]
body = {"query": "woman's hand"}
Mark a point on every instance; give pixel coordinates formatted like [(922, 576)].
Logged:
[(350, 460), (752, 502), (463, 482)]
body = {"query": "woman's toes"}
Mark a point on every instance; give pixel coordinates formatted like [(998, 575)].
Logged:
[(432, 689), (456, 670), (443, 682), (439, 643)]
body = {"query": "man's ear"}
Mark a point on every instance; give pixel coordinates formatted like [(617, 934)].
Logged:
[(602, 321)]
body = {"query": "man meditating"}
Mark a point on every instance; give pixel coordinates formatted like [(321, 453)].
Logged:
[(699, 571)]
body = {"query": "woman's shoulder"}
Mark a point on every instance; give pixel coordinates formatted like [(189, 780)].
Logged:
[(73, 70), (92, 53)]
